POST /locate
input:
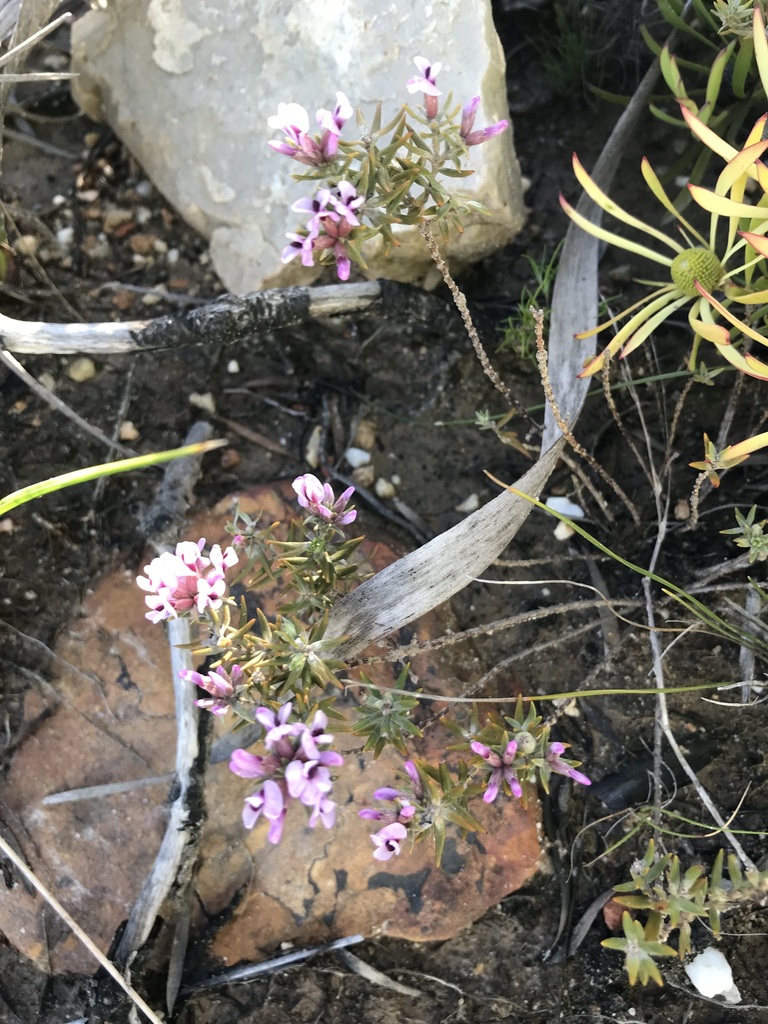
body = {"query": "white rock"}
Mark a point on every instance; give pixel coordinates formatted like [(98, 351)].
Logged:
[(565, 507), (220, 69), (563, 531), (233, 366), (357, 457), (710, 973)]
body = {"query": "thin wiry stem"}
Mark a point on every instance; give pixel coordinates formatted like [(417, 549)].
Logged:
[(541, 356)]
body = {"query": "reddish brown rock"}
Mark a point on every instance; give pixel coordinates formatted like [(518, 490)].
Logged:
[(114, 722)]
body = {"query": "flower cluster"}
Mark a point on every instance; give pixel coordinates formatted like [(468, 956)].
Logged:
[(180, 581), (365, 189), (294, 769)]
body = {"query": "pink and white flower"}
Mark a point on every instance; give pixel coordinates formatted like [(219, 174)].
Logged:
[(425, 83), (269, 801), (180, 581)]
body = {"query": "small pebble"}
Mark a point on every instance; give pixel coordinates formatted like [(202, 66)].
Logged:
[(128, 431), (65, 236), (384, 488), (59, 200), (27, 245), (233, 366), (470, 504), (88, 195), (48, 381), (357, 457), (160, 246), (114, 216), (563, 531), (204, 402), (81, 369), (364, 477), (142, 244), (365, 435), (172, 256)]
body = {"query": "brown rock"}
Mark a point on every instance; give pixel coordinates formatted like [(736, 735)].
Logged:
[(114, 721)]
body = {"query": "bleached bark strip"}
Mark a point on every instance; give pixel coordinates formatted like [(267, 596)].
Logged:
[(432, 574)]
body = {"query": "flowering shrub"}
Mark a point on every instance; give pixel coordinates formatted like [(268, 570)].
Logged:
[(389, 175), (279, 676)]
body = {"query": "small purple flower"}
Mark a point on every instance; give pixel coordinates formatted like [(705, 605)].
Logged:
[(501, 770), (310, 781), (299, 244), (476, 138), (468, 116), (278, 732), (345, 200), (482, 135), (403, 811), (219, 683), (425, 82), (561, 767), (177, 582), (320, 500), (388, 840), (252, 766), (270, 802)]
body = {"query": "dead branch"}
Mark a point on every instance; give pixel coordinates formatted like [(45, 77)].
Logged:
[(230, 319)]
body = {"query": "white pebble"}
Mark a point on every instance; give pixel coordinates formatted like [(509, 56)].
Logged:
[(65, 236), (233, 366), (204, 402), (357, 457), (172, 256), (81, 369), (384, 488), (128, 431), (711, 974), (565, 507), (563, 531), (26, 245), (470, 504)]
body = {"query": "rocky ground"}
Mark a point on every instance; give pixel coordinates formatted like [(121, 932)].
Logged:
[(94, 241)]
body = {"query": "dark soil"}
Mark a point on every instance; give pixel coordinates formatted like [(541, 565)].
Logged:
[(521, 962)]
